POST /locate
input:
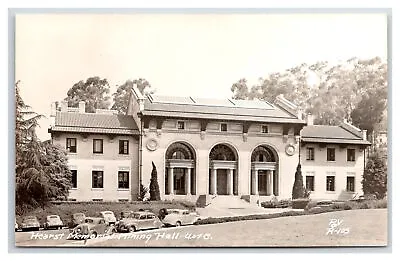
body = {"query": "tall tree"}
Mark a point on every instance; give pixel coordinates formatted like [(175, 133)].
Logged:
[(154, 188), (121, 96), (375, 177), (94, 92), (298, 190)]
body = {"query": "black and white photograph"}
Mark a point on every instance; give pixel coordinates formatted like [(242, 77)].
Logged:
[(201, 129)]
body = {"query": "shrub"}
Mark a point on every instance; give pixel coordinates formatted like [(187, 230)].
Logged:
[(375, 177), (310, 205), (300, 203), (154, 188), (298, 190)]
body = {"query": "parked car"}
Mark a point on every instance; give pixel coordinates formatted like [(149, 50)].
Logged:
[(109, 217), (30, 223), (125, 214), (92, 227), (178, 217), (138, 221), (76, 219), (53, 221)]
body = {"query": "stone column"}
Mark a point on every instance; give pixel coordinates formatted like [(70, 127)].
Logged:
[(213, 182), (270, 178), (171, 181), (230, 182), (188, 181), (254, 180)]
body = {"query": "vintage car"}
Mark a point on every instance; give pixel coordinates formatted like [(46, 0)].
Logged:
[(109, 217), (30, 223), (53, 221), (178, 217), (76, 219), (138, 221), (93, 227)]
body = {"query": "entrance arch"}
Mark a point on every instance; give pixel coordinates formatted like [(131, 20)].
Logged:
[(180, 166), (223, 174), (264, 171)]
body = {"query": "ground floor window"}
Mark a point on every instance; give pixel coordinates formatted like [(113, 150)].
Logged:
[(97, 179), (74, 178), (350, 184), (123, 179), (330, 183), (310, 183)]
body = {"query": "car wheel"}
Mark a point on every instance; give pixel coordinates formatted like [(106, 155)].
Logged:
[(178, 224), (132, 229)]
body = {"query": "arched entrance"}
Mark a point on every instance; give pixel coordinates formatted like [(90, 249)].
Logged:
[(264, 171), (223, 177), (180, 162)]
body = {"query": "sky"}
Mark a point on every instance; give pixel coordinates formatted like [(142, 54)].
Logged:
[(180, 54)]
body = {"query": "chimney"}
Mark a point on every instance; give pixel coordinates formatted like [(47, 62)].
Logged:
[(64, 106), (364, 132), (310, 119), (81, 107)]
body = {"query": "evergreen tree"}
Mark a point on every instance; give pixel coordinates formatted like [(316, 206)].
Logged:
[(298, 187), (375, 177), (154, 188)]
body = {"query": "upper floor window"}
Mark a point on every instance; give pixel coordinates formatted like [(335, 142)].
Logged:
[(98, 146), (310, 154), (224, 127), (264, 129), (351, 154), (330, 183), (330, 154), (123, 179), (74, 178), (181, 125), (97, 179), (71, 145), (124, 147)]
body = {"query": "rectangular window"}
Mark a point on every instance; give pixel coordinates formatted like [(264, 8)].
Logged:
[(310, 154), (71, 145), (330, 183), (330, 154), (351, 154), (97, 179), (310, 183), (74, 178), (123, 179), (264, 129), (181, 125), (224, 127), (98, 146), (350, 184), (124, 147)]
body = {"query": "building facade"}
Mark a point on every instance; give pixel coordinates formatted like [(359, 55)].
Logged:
[(204, 148)]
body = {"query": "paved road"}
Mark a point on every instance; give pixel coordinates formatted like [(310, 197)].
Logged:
[(342, 228)]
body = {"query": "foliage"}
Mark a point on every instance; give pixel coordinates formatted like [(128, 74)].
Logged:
[(93, 92), (300, 203), (41, 170), (330, 92), (346, 205), (277, 204), (143, 192), (121, 96), (375, 176), (154, 188), (298, 187)]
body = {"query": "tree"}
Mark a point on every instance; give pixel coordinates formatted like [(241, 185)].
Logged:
[(121, 96), (41, 171), (375, 177), (154, 188), (93, 92), (298, 187), (142, 193)]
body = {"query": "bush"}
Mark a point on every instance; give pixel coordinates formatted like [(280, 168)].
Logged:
[(276, 204), (300, 203), (375, 177)]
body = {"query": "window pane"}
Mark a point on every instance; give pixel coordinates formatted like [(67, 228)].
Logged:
[(224, 127), (350, 184), (74, 178), (98, 146)]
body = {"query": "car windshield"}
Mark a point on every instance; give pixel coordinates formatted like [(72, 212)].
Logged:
[(30, 219), (108, 214), (53, 217), (89, 220), (134, 215)]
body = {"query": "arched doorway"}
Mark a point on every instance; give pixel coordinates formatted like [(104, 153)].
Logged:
[(264, 171), (223, 175), (180, 162)]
